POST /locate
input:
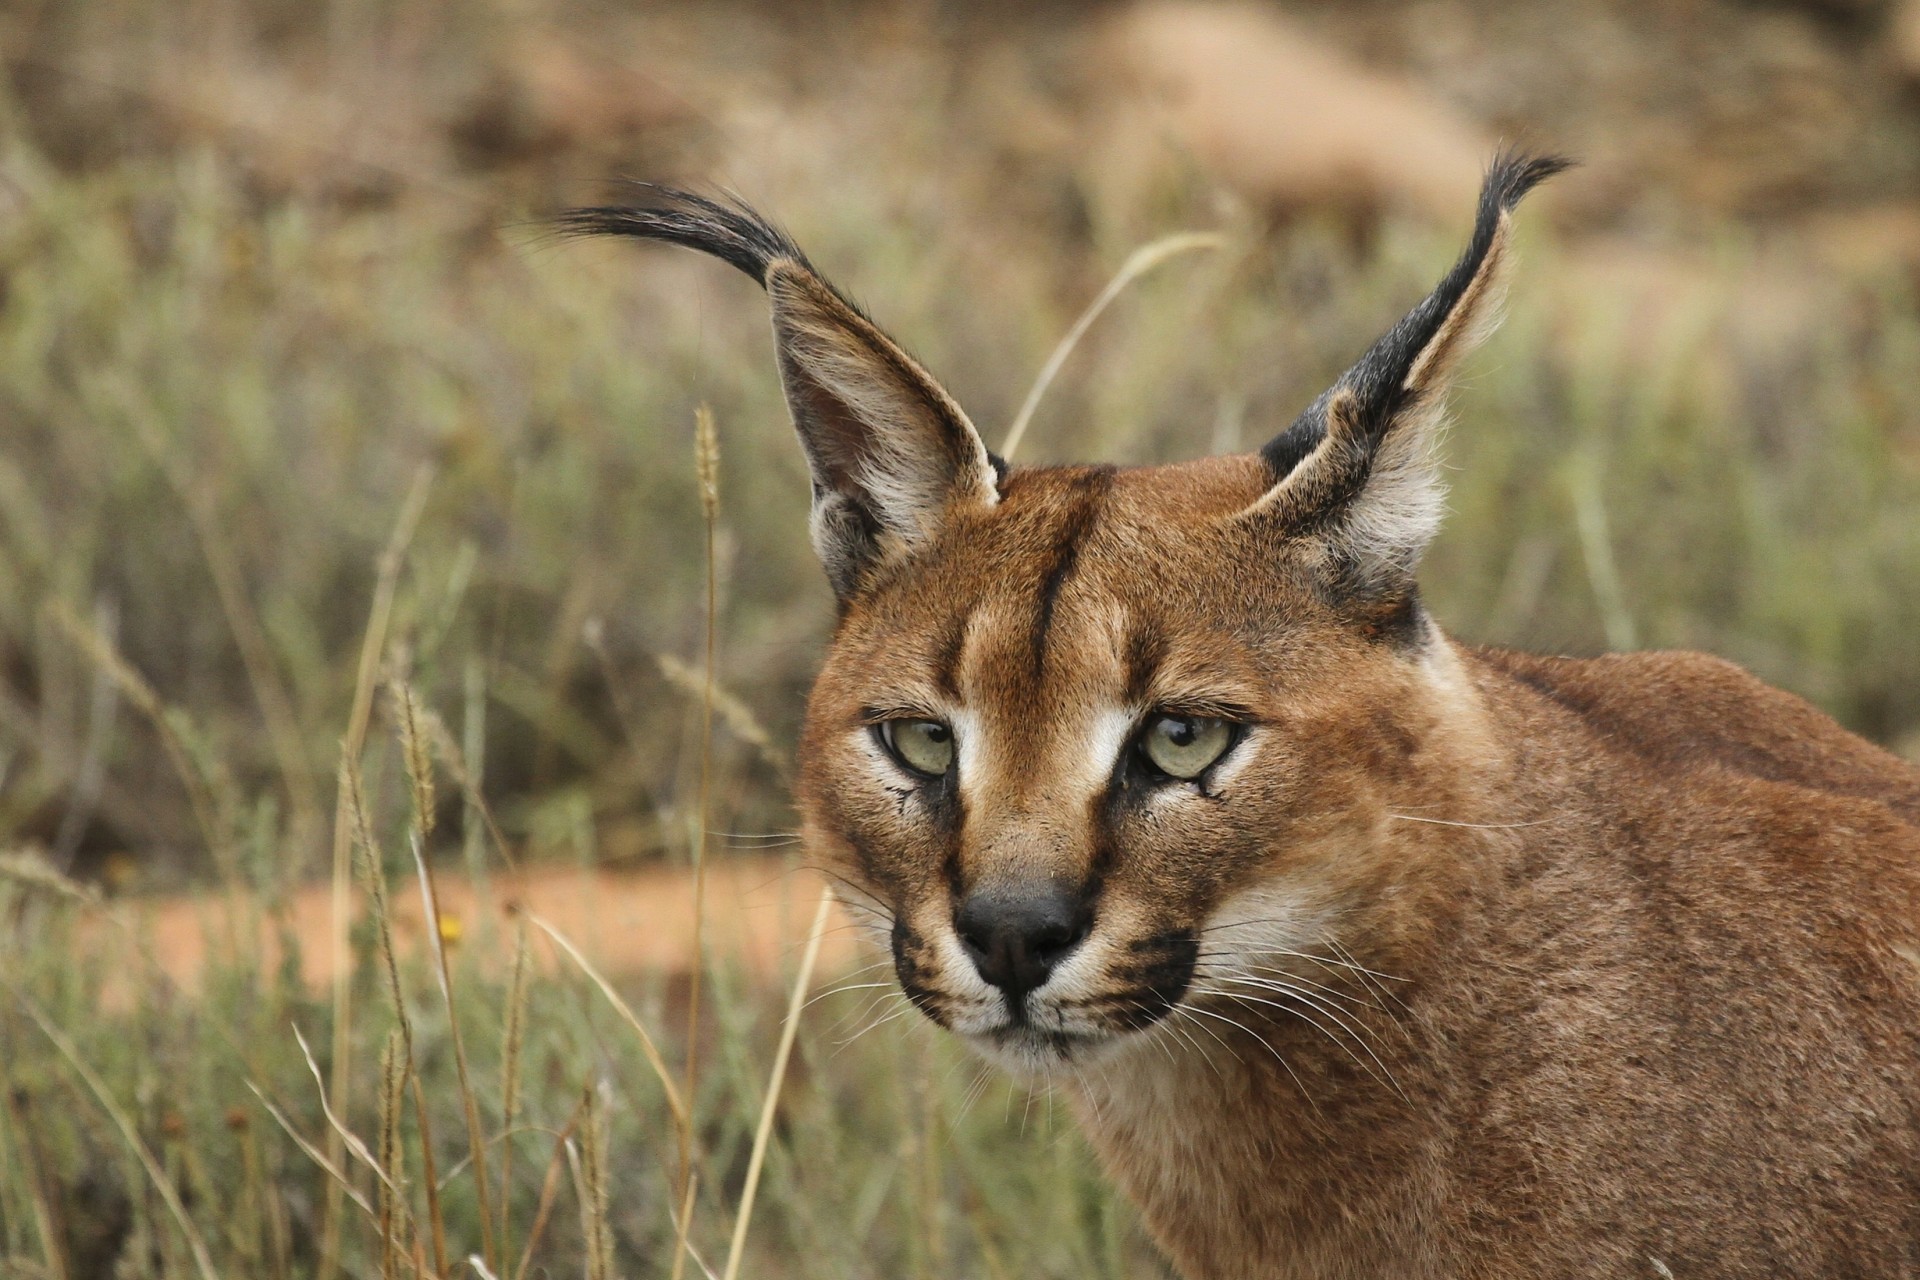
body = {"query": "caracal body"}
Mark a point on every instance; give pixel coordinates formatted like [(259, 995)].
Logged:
[(1360, 953)]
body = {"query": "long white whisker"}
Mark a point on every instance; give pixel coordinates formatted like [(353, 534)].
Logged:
[(905, 1008), (843, 988), (1384, 1075), (1476, 826), (1288, 976), (1366, 973), (859, 1015), (1189, 1011), (1261, 1041), (1187, 1039)]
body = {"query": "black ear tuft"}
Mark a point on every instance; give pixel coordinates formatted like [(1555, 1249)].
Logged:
[(729, 229), (1356, 474), (1380, 381)]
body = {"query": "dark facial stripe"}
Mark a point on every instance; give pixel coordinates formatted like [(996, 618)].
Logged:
[(1146, 650), (1092, 488), (946, 659)]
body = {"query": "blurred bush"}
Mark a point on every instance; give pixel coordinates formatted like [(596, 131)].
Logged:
[(262, 265)]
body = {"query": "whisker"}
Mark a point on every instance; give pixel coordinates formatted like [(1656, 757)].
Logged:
[(1368, 974), (866, 1010), (842, 988), (1476, 826), (906, 1008), (1187, 1039), (1261, 1041), (1215, 1035), (1370, 980), (853, 895), (1384, 1074), (1286, 975), (975, 1091)]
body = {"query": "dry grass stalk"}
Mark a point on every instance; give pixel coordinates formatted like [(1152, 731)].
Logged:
[(549, 1188), (373, 643), (351, 1140), (676, 1105), (455, 761), (202, 1260), (512, 1039), (682, 1244), (764, 1133), (31, 869), (200, 796), (1138, 263), (373, 878), (413, 746), (476, 1136), (394, 1065), (598, 1231), (735, 714), (335, 1174), (429, 1177), (706, 457), (32, 1164), (266, 1207)]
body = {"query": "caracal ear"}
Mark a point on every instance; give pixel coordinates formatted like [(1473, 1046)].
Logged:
[(891, 454), (1356, 472)]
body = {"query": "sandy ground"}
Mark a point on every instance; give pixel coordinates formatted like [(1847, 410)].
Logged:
[(757, 914)]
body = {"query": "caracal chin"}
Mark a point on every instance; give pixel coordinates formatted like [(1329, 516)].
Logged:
[(1359, 952)]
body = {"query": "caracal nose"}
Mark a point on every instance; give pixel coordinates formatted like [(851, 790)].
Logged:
[(1017, 936)]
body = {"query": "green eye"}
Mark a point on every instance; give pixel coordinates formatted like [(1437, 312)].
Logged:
[(1183, 746), (924, 746)]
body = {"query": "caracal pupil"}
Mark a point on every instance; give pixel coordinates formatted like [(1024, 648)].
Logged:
[(1359, 952)]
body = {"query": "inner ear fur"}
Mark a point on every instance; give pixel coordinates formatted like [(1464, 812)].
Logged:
[(1356, 473), (890, 452)]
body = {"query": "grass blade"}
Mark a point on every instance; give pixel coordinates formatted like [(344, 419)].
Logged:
[(336, 1175), (476, 1136), (765, 1132), (682, 1121), (373, 643), (707, 463), (1138, 263), (202, 1260)]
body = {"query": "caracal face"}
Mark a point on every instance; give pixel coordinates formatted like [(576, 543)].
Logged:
[(1146, 786), (1093, 748)]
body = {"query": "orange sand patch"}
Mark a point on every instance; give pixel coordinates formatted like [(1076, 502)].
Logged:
[(757, 914)]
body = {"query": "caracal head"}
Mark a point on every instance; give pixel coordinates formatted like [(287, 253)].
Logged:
[(1091, 745)]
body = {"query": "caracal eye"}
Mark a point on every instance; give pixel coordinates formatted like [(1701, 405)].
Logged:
[(1183, 746), (924, 746)]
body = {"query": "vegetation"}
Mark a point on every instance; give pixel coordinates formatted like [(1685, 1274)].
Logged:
[(283, 459)]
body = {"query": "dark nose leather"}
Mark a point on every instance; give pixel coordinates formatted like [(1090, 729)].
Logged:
[(1016, 936)]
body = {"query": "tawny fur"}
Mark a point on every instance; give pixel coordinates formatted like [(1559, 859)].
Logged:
[(1459, 963)]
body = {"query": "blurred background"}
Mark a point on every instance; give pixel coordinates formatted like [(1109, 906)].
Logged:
[(263, 263), (299, 395)]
